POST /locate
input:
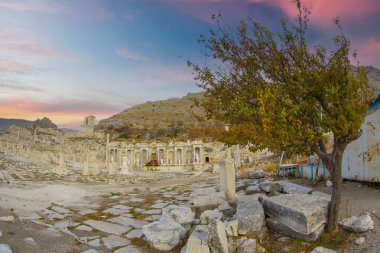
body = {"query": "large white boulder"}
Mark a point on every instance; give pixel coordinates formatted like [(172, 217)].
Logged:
[(164, 234), (303, 213), (250, 214), (180, 214), (360, 224)]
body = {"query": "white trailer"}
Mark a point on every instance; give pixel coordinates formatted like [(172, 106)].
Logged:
[(361, 159)]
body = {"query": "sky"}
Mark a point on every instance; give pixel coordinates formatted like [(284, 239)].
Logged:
[(65, 59)]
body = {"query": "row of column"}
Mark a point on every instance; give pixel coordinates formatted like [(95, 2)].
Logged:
[(163, 156)]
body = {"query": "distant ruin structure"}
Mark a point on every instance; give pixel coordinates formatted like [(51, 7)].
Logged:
[(91, 152), (88, 128)]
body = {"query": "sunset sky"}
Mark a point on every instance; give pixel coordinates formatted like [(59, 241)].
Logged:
[(66, 59)]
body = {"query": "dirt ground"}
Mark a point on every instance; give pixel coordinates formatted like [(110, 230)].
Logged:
[(357, 198)]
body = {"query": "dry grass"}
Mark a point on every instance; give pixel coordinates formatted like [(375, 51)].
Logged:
[(244, 171), (336, 240), (270, 168)]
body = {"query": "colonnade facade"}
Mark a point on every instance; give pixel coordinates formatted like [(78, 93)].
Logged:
[(134, 156)]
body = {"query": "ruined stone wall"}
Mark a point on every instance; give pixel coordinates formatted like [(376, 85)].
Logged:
[(46, 144)]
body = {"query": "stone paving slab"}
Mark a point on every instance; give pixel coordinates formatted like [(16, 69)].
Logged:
[(84, 228), (125, 221), (65, 224), (116, 211), (154, 217), (128, 249), (106, 227), (60, 210), (152, 211), (114, 241), (159, 205), (135, 233)]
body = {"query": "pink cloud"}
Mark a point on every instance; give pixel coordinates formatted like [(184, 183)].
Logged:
[(368, 51), (323, 11), (30, 5), (15, 67), (27, 45), (64, 112)]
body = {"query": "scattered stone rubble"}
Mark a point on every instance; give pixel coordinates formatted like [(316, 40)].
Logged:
[(360, 224), (286, 208)]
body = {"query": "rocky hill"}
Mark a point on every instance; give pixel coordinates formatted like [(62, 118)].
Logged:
[(185, 112), (164, 114), (42, 123), (19, 122)]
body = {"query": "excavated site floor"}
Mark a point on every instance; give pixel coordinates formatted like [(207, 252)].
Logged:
[(41, 211)]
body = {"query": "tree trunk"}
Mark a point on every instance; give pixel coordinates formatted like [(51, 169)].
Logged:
[(336, 177)]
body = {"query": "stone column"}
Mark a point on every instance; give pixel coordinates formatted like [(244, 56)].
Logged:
[(107, 150), (227, 180), (35, 137), (62, 168)]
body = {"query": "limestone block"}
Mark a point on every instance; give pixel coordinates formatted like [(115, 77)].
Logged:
[(323, 250), (250, 214), (289, 187), (218, 237), (322, 195), (246, 245), (252, 189), (240, 186), (209, 215), (360, 224), (201, 232), (282, 229), (194, 245), (164, 234), (211, 199), (180, 214), (257, 174), (302, 213), (269, 187), (232, 228)]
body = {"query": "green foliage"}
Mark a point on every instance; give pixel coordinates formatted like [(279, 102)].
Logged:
[(278, 92), (124, 136)]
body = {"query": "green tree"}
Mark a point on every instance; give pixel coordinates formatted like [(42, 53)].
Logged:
[(278, 92)]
